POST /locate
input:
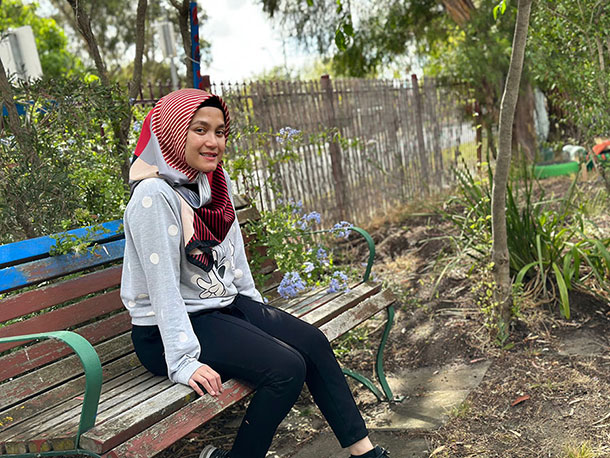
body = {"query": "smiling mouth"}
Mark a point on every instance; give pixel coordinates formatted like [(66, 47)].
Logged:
[(208, 154)]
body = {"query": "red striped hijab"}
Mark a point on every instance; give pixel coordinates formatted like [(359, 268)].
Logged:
[(207, 215)]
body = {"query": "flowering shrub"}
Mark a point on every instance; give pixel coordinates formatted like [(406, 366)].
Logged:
[(293, 238)]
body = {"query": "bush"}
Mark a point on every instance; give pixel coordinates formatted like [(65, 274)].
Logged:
[(289, 236), (550, 250), (72, 175)]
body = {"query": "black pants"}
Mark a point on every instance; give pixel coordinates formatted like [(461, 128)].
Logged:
[(274, 352)]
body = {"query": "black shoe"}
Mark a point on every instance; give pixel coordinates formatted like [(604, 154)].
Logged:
[(377, 452), (209, 451), (381, 452)]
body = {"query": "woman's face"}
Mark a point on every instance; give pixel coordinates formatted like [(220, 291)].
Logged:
[(205, 140)]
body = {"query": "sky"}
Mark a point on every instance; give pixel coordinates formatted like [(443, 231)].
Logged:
[(244, 41)]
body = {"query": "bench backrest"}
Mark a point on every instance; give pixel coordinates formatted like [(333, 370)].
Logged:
[(79, 292)]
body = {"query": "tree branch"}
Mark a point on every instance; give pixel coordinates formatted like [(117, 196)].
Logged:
[(84, 27)]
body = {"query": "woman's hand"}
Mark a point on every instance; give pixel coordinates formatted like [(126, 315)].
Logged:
[(208, 378)]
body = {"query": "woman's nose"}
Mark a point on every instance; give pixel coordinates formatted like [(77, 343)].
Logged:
[(210, 140)]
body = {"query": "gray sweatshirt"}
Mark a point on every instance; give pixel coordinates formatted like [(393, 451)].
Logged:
[(160, 287)]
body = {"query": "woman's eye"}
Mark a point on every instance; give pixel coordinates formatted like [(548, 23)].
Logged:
[(220, 133)]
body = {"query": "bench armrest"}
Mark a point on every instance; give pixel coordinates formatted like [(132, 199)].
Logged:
[(91, 364), (371, 244)]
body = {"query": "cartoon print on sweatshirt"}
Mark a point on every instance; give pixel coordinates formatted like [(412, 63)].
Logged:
[(212, 282)]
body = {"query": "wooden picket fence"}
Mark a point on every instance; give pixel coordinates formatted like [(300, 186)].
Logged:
[(363, 147)]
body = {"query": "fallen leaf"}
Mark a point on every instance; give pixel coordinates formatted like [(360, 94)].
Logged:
[(519, 400), (437, 450)]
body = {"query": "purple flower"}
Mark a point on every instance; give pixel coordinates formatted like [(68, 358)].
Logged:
[(313, 216), (308, 267), (322, 256), (338, 283), (286, 134), (290, 285), (342, 229)]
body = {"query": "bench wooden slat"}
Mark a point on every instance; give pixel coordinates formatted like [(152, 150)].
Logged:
[(347, 300), (42, 298), (161, 386), (46, 269), (45, 352), (63, 318), (63, 410), (59, 372), (58, 432), (62, 437), (19, 252), (240, 201), (247, 214), (288, 305), (324, 298), (32, 407), (356, 315), (177, 425), (111, 433)]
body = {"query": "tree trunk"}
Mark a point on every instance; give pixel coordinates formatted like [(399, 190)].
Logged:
[(183, 13), (136, 81), (84, 27), (120, 126), (500, 255), (524, 126)]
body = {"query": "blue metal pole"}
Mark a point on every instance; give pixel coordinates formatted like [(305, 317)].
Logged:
[(195, 56)]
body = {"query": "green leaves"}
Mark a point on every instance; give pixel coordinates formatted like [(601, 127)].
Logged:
[(549, 252), (74, 177), (345, 28), (500, 7)]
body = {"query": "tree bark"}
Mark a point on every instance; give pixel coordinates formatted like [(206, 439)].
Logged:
[(524, 126), (183, 13), (500, 255), (84, 27), (136, 81), (120, 126)]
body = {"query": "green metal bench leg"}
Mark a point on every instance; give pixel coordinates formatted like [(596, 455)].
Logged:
[(366, 382), (379, 363), (387, 394)]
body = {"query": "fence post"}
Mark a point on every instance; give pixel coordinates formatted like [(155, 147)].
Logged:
[(335, 149), (479, 134), (421, 145), (206, 85), (430, 90)]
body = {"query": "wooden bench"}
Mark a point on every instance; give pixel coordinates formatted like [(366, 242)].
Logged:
[(63, 330)]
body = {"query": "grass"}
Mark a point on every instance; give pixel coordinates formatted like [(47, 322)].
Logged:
[(461, 410), (583, 450)]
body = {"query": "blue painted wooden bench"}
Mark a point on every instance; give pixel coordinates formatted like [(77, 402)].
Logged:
[(70, 382)]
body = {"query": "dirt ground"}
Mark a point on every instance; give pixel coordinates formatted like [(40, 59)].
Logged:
[(546, 394)]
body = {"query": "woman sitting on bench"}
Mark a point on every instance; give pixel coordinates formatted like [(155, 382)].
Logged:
[(197, 316)]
